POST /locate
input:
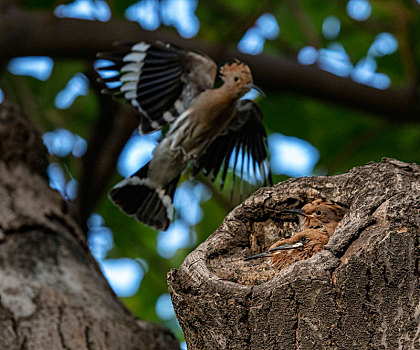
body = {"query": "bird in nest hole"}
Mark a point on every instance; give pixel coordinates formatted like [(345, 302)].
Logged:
[(319, 221), (168, 85)]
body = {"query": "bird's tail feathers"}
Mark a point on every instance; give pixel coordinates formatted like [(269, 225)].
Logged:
[(152, 206)]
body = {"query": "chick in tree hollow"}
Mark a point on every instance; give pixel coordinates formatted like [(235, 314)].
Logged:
[(320, 219)]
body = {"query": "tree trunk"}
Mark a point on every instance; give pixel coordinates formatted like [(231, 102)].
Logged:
[(360, 292), (52, 293)]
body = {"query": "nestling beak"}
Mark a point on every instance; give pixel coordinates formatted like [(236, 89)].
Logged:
[(255, 87), (294, 211), (257, 256), (287, 247)]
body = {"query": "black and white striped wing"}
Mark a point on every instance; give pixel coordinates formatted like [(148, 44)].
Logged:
[(243, 143), (159, 80)]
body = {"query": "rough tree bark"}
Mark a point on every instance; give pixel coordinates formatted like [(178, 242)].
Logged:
[(360, 292), (52, 293)]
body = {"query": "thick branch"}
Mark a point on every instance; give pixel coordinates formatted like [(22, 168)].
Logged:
[(24, 33)]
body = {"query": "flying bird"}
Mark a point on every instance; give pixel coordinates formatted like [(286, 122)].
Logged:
[(208, 125), (320, 219)]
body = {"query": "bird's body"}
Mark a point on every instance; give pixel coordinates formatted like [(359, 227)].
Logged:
[(319, 220), (169, 85), (190, 135), (301, 246)]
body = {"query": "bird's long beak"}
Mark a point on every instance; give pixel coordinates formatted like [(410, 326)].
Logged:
[(257, 256), (287, 247), (255, 87), (294, 211)]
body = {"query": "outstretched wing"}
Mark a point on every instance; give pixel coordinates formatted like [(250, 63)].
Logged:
[(244, 139), (159, 80)]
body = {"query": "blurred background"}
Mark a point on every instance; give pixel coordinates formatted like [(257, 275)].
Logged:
[(346, 94)]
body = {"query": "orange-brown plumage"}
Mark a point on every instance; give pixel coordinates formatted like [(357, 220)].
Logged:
[(323, 212), (301, 246), (320, 212), (319, 220)]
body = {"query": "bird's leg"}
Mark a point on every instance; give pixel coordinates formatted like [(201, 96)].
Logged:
[(188, 157), (181, 149)]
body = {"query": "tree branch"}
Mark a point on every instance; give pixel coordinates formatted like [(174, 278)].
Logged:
[(40, 33)]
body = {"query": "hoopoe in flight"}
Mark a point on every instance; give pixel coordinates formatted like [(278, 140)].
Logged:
[(320, 218), (169, 85)]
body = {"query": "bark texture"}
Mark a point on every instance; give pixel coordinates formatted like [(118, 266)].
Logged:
[(52, 293), (360, 292)]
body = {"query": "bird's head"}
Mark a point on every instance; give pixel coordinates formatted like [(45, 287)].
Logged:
[(300, 246), (323, 211), (237, 78), (319, 212)]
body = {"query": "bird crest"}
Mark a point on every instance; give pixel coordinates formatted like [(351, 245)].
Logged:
[(236, 66)]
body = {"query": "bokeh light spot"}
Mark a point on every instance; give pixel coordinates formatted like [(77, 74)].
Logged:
[(307, 55), (57, 178), (76, 86), (381, 81), (331, 27), (144, 12), (71, 189), (268, 26), (137, 152), (364, 70), (124, 275), (359, 10), (164, 307), (252, 42), (84, 9), (38, 67), (292, 156), (187, 202), (100, 237), (181, 15), (62, 142), (384, 44), (177, 236), (335, 59)]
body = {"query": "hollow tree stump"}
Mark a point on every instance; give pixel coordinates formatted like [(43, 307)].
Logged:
[(360, 292)]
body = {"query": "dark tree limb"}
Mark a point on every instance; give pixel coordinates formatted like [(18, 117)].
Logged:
[(39, 33), (361, 292), (52, 292)]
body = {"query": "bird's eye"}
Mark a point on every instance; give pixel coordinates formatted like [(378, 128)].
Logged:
[(318, 212), (235, 78), (303, 239)]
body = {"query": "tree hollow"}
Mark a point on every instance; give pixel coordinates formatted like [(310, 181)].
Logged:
[(360, 292)]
